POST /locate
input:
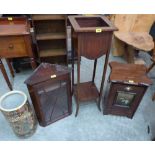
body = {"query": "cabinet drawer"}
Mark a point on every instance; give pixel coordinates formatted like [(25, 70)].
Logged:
[(12, 46)]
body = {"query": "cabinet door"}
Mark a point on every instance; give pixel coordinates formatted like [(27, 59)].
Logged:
[(53, 100), (124, 99)]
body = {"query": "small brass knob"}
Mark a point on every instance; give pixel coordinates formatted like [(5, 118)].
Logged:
[(53, 76), (11, 46)]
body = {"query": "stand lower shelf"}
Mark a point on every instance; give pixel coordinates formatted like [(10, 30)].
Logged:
[(87, 91)]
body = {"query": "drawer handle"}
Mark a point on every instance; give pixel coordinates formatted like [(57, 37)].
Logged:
[(53, 76), (11, 46)]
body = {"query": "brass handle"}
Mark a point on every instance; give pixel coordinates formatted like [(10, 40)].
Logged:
[(53, 76), (128, 88), (11, 46)]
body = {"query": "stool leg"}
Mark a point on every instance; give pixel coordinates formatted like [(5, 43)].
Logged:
[(5, 74), (129, 54), (10, 67)]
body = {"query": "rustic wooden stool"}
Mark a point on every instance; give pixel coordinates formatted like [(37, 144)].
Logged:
[(135, 41)]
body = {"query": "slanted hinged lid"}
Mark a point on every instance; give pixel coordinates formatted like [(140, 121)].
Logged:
[(129, 73), (46, 71)]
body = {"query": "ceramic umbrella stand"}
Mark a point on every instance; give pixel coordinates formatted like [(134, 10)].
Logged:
[(18, 112)]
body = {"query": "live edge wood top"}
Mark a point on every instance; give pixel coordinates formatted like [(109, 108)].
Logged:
[(46, 71), (14, 26), (138, 40), (129, 73), (91, 23)]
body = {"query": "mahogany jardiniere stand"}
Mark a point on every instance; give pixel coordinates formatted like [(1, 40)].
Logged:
[(91, 38)]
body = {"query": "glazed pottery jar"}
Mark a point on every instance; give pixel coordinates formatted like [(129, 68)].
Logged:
[(18, 112)]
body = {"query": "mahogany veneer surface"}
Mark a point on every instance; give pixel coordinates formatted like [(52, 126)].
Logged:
[(129, 72), (87, 91), (16, 26)]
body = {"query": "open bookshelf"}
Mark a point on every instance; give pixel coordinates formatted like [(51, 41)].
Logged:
[(51, 37)]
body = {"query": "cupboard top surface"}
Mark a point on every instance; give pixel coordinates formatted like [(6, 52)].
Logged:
[(46, 71), (14, 26), (91, 23), (129, 73)]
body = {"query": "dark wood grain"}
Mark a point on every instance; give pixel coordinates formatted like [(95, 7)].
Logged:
[(129, 72), (39, 17), (15, 40), (15, 26), (51, 97), (90, 23), (94, 45), (129, 79), (88, 42), (87, 92), (51, 37)]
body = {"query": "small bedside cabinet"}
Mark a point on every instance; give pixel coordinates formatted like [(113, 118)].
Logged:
[(15, 41), (50, 90), (126, 87)]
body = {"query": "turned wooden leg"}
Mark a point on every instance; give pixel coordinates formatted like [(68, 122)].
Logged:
[(153, 98), (5, 74), (10, 67), (33, 63)]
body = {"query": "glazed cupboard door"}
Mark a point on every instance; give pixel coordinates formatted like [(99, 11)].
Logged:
[(53, 100), (124, 99)]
